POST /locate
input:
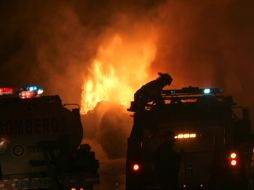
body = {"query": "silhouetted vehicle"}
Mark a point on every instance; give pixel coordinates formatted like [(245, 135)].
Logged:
[(212, 136), (40, 145)]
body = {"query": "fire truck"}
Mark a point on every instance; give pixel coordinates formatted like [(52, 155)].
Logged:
[(211, 134), (40, 143)]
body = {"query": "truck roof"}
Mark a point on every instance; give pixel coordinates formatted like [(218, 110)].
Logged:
[(36, 100)]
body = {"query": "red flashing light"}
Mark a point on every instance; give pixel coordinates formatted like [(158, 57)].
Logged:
[(135, 167), (6, 91), (26, 94)]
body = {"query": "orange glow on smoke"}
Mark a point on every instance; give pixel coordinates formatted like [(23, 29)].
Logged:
[(119, 69)]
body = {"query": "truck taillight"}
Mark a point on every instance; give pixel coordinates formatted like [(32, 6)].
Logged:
[(135, 167), (233, 159), (233, 162), (233, 155)]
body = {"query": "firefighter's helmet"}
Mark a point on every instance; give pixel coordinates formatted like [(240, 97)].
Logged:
[(165, 77)]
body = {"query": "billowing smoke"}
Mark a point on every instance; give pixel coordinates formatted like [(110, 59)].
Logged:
[(110, 126), (106, 129), (200, 43), (53, 43), (209, 44)]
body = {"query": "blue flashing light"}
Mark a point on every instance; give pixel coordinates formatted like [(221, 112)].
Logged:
[(32, 88), (36, 90), (207, 91)]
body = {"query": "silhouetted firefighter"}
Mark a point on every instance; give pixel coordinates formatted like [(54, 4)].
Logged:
[(151, 92), (167, 164)]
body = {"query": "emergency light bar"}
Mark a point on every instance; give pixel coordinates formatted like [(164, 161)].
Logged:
[(5, 91), (24, 92), (192, 91), (30, 92), (35, 89)]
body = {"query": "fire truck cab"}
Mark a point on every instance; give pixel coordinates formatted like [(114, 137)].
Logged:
[(211, 134)]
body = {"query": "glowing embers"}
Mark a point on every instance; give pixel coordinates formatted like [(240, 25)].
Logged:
[(6, 91), (186, 136), (233, 159)]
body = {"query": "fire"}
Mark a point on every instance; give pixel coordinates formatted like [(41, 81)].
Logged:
[(119, 69)]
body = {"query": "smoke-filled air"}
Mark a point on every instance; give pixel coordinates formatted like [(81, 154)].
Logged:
[(110, 77), (97, 53)]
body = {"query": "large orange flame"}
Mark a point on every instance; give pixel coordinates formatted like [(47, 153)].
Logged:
[(119, 69)]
